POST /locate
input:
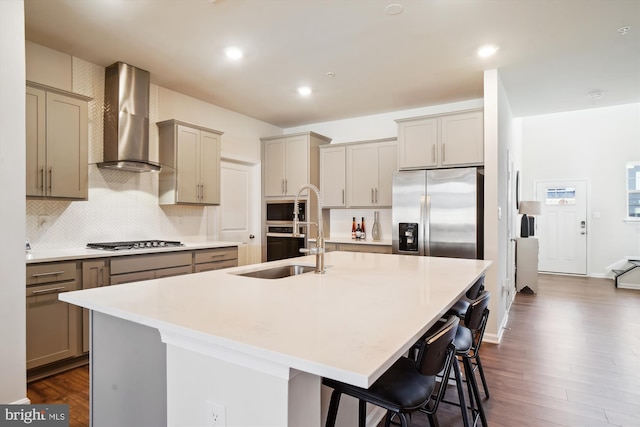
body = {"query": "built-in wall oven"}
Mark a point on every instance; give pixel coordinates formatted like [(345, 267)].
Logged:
[(281, 243)]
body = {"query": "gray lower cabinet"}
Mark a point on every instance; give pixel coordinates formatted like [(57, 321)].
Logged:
[(358, 247), (57, 330), (134, 268), (94, 275), (53, 326), (215, 259)]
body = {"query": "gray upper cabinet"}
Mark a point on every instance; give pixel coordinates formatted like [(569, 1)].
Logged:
[(289, 161), (370, 169), (333, 175), (56, 143), (190, 157), (358, 174), (441, 141)]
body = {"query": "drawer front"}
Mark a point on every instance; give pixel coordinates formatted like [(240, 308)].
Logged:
[(132, 277), (133, 263), (211, 255), (47, 273), (208, 266), (355, 247), (52, 288), (175, 271)]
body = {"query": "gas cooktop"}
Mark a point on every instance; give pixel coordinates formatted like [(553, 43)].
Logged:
[(134, 244)]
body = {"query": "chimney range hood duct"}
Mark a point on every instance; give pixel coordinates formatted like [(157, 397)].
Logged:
[(126, 119)]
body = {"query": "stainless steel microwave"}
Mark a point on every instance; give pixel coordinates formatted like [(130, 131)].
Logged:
[(281, 211)]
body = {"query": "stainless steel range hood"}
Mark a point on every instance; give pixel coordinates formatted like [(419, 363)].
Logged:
[(126, 119)]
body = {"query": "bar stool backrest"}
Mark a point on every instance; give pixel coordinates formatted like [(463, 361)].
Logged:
[(474, 291), (475, 316), (438, 348)]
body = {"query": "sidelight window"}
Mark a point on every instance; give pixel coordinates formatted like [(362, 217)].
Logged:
[(633, 190)]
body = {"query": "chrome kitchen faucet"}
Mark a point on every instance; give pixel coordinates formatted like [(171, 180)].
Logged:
[(318, 251)]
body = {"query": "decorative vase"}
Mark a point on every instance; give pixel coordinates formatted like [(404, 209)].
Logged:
[(375, 230)]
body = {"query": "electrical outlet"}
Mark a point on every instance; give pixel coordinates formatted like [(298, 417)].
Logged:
[(215, 416), (43, 220)]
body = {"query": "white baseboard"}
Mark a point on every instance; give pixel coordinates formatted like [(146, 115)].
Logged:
[(24, 401), (497, 338), (622, 285)]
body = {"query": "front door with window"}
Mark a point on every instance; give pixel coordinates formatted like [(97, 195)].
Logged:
[(562, 226)]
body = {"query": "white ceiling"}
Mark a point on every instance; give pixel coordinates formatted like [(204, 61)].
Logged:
[(552, 52)]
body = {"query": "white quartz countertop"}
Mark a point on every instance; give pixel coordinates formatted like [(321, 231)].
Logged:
[(349, 324), (37, 256)]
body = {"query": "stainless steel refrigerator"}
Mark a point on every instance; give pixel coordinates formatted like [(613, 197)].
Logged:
[(439, 212)]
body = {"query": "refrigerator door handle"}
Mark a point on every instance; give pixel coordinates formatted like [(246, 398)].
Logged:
[(427, 227), (423, 243)]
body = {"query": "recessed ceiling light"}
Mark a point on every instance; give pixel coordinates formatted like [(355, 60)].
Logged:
[(487, 50), (624, 30), (595, 95), (233, 53), (304, 90), (394, 9)]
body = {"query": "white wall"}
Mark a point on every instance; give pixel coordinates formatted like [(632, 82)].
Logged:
[(12, 210), (591, 145), (499, 139), (124, 205)]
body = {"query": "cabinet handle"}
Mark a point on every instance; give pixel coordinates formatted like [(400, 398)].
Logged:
[(48, 291), (42, 179), (443, 157), (372, 195), (50, 273), (286, 186), (433, 157), (376, 196), (282, 186), (50, 178), (343, 196)]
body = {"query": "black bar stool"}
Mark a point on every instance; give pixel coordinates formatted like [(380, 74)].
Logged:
[(409, 385), (460, 307), (467, 343)]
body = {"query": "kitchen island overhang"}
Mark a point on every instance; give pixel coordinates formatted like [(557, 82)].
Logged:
[(349, 324)]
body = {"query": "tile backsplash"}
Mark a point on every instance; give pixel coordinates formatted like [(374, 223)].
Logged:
[(121, 206), (341, 222)]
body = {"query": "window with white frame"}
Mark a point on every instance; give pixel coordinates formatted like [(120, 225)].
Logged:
[(633, 190)]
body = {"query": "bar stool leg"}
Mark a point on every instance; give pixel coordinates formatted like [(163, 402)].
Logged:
[(474, 392), (484, 381), (333, 408), (362, 413), (460, 388)]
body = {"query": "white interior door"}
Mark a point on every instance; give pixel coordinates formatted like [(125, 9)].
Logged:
[(562, 226), (239, 218)]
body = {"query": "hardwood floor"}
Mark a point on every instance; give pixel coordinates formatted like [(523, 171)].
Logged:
[(570, 357), (71, 387)]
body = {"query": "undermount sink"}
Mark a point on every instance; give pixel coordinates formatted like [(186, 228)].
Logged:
[(278, 272)]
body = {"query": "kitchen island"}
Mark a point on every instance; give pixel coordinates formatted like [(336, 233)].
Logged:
[(252, 351)]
